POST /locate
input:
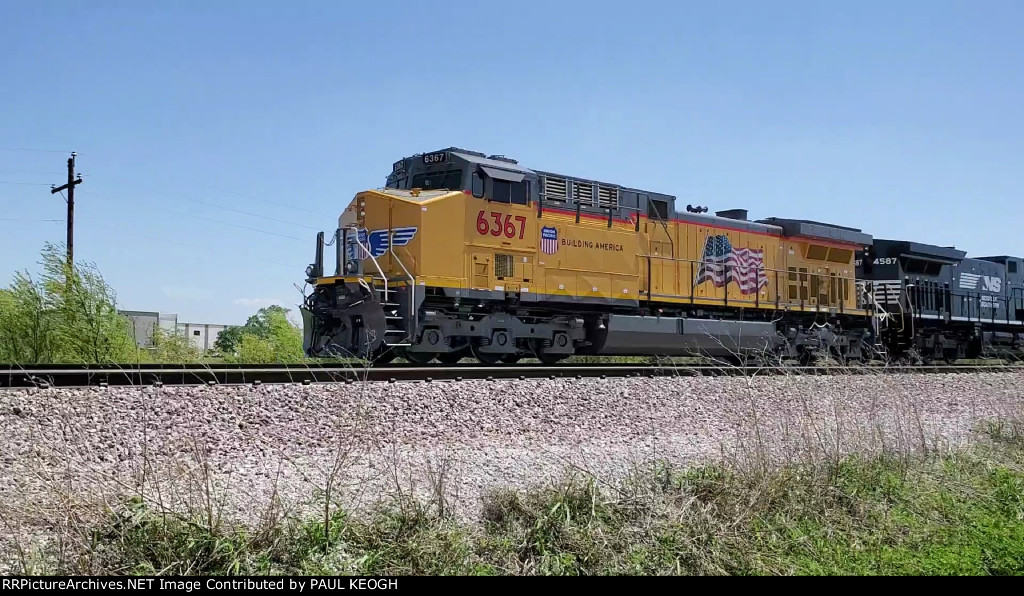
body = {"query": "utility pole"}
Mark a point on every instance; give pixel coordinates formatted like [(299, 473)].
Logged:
[(73, 181)]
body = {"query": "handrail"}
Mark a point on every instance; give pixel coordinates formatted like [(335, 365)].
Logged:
[(372, 258), (413, 311), (662, 220), (819, 277), (681, 260)]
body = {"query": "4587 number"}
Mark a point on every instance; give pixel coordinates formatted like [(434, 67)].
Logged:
[(495, 225), (878, 261)]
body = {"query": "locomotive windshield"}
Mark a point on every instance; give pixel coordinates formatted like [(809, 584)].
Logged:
[(448, 179)]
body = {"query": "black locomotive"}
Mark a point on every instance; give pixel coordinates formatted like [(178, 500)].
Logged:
[(935, 303)]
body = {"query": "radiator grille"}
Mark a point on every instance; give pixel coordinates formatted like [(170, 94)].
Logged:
[(554, 189), (583, 193), (607, 197), (503, 266)]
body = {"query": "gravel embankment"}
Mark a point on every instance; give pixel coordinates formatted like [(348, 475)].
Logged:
[(59, 446)]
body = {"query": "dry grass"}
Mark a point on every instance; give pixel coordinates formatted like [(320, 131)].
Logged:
[(815, 493)]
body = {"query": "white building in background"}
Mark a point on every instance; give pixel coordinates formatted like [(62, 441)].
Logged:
[(169, 322), (202, 335), (144, 324)]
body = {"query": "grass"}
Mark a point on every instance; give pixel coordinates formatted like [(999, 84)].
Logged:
[(955, 513)]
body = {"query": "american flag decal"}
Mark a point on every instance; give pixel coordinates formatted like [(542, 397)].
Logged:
[(548, 240), (721, 263)]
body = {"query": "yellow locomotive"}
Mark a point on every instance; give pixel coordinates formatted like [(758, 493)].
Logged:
[(463, 254)]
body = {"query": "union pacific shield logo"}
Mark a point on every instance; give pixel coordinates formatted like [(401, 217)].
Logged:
[(548, 240)]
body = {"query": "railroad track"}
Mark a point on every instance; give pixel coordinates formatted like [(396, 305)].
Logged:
[(143, 375)]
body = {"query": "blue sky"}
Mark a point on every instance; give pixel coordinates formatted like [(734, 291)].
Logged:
[(216, 138)]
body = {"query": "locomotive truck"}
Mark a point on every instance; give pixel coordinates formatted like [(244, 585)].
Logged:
[(462, 254)]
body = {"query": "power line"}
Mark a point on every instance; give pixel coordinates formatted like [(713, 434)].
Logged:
[(27, 150), (26, 183), (25, 172), (216, 221), (182, 244), (286, 205), (245, 196), (224, 223), (31, 220), (234, 209), (249, 213)]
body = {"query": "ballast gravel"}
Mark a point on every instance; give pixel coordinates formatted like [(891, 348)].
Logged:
[(244, 447)]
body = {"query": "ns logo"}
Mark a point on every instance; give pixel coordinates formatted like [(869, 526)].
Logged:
[(989, 283)]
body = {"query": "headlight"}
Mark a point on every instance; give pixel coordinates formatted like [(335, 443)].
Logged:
[(309, 271), (352, 266)]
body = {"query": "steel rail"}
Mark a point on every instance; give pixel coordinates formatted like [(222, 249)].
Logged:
[(145, 375)]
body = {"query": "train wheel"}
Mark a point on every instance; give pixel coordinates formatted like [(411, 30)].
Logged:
[(384, 355), (551, 358), (419, 357), (451, 357), (836, 357), (768, 360), (548, 358), (485, 357), (541, 353)]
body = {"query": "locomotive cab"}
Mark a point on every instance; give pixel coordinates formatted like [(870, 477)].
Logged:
[(494, 178)]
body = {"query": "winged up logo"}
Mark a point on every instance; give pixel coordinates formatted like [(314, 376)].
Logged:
[(378, 241)]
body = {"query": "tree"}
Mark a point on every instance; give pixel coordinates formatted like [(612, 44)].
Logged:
[(24, 324), (261, 323), (268, 336), (285, 338), (255, 350), (174, 347), (67, 314), (227, 340), (88, 328)]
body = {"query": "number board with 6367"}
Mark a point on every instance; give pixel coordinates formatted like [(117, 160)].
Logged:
[(433, 158)]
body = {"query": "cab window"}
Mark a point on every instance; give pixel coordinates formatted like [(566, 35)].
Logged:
[(517, 193), (478, 186), (449, 180)]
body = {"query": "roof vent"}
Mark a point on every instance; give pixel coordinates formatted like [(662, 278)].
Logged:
[(502, 158), (740, 214)]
